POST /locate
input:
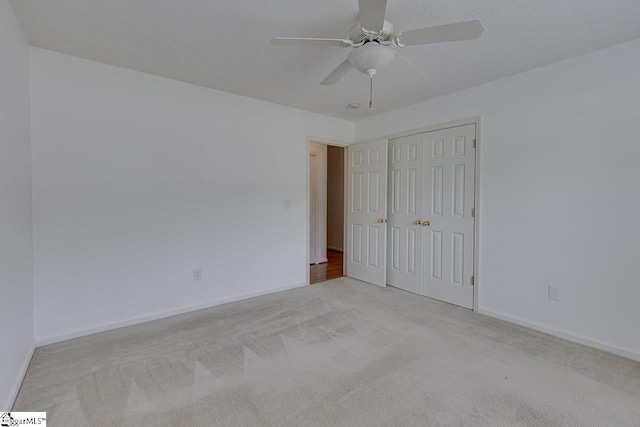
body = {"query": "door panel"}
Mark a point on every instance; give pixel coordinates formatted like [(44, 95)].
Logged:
[(367, 192), (404, 268), (449, 182)]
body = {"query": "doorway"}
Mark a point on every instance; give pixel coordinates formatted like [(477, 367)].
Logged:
[(326, 211)]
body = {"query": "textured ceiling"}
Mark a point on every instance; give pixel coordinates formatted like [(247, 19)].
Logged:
[(225, 44)]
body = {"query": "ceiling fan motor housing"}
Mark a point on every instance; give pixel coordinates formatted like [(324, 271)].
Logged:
[(371, 58), (358, 35)]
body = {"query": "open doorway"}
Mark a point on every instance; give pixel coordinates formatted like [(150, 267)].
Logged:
[(326, 211)]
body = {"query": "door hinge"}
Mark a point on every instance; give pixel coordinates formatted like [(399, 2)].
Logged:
[(474, 143), (473, 213), (473, 280)]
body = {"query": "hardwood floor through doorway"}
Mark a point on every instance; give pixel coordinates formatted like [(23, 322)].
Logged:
[(329, 270)]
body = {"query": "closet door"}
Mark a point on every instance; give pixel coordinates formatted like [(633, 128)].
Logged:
[(405, 260), (449, 189), (366, 216)]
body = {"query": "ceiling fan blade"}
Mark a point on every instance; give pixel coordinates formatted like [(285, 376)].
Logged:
[(404, 70), (295, 41), (469, 30), (372, 14), (337, 73)]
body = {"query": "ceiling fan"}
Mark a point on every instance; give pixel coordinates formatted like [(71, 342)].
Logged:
[(371, 38)]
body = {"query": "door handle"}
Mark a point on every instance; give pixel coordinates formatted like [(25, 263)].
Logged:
[(382, 221), (426, 224), (417, 222)]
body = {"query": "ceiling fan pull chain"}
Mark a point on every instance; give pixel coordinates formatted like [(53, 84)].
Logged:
[(371, 92)]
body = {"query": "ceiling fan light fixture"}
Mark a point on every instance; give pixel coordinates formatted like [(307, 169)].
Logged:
[(371, 57)]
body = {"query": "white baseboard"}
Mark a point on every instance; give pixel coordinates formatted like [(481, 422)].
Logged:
[(13, 393), (143, 319), (334, 248), (562, 334)]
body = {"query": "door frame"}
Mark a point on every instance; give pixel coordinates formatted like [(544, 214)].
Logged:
[(325, 141), (314, 193), (476, 220)]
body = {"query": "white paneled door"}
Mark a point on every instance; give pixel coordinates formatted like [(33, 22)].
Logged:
[(431, 206), (404, 230), (366, 217), (449, 206)]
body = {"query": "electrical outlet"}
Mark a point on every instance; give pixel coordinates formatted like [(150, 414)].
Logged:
[(197, 274), (554, 293)]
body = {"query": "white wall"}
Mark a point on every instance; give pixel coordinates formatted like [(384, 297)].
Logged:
[(139, 179), (319, 194), (335, 198), (16, 287), (559, 200)]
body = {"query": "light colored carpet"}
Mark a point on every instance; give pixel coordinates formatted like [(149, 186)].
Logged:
[(343, 353)]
